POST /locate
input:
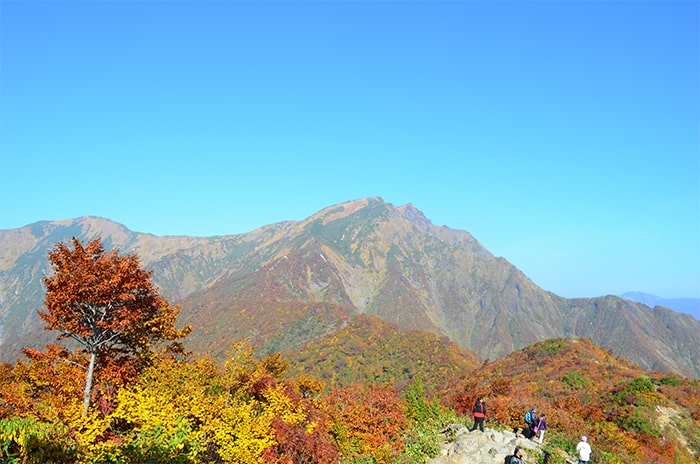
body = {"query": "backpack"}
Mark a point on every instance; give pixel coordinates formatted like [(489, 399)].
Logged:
[(528, 418), (508, 458)]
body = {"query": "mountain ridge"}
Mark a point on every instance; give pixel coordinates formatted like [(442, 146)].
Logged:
[(360, 257), (681, 305)]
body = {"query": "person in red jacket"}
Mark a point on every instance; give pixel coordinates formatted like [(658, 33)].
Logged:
[(479, 413)]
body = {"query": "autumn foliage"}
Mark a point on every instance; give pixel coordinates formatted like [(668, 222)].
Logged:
[(108, 304), (193, 411), (367, 394), (628, 413)]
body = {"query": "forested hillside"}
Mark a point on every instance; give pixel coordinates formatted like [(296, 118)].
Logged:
[(248, 409), (371, 350)]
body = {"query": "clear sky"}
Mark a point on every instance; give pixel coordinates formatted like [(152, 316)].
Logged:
[(564, 135)]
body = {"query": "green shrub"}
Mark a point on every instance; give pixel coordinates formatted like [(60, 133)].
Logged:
[(636, 421), (560, 441), (421, 443), (671, 381), (28, 441), (574, 380), (155, 446), (428, 420), (552, 346), (631, 388)]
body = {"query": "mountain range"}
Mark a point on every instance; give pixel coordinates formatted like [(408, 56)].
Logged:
[(682, 305), (291, 283)]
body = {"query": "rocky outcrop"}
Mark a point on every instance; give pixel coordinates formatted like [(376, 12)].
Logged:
[(489, 446)]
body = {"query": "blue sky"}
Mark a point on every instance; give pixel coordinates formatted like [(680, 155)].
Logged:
[(563, 135)]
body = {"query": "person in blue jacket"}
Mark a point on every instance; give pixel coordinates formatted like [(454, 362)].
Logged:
[(530, 417)]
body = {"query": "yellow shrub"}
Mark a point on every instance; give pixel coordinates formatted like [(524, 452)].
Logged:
[(242, 432)]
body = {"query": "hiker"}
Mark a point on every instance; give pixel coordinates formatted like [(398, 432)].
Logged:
[(517, 457), (540, 426), (479, 413), (583, 449), (530, 417)]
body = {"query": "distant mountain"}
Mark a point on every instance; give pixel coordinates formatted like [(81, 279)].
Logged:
[(682, 305), (286, 285)]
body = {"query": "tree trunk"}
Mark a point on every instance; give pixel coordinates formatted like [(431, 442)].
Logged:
[(88, 384)]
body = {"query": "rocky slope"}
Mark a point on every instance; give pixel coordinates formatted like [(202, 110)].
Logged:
[(286, 284)]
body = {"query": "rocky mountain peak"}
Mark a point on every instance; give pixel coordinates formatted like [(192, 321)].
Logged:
[(414, 216)]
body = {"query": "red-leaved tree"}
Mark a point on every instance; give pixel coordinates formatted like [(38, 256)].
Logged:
[(108, 304)]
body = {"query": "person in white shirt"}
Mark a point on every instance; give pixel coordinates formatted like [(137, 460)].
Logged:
[(583, 449)]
